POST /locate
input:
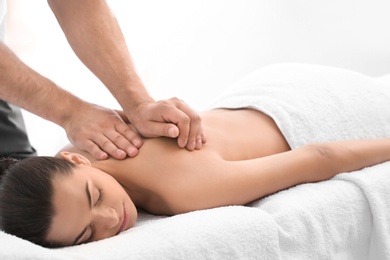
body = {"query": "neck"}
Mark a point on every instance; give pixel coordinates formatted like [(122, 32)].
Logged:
[(138, 194)]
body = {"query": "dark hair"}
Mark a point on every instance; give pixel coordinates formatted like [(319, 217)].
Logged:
[(26, 191)]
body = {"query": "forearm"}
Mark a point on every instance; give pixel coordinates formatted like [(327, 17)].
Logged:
[(96, 38), (22, 86), (350, 155)]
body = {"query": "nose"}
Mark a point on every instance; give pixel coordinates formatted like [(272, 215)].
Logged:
[(107, 218)]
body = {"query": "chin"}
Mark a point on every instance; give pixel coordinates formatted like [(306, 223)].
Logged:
[(133, 218)]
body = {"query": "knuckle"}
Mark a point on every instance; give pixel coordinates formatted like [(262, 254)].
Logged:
[(164, 102), (145, 131), (120, 127), (117, 138), (191, 139), (106, 144), (186, 119), (196, 118), (175, 99), (90, 146), (128, 132), (92, 149)]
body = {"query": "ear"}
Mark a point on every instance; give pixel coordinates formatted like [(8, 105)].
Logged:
[(74, 158)]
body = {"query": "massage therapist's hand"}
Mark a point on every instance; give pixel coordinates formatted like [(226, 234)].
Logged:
[(109, 59), (170, 118), (102, 132)]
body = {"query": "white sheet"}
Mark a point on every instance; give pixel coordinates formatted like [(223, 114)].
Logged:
[(343, 218)]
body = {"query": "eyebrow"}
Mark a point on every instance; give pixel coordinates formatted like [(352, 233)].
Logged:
[(88, 195), (90, 206)]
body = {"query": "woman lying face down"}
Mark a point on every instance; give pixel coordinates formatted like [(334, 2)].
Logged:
[(73, 199)]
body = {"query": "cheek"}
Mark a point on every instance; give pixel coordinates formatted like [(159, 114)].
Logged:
[(118, 194), (115, 189)]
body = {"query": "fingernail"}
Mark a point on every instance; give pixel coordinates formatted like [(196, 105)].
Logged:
[(102, 156), (198, 144), (131, 151), (182, 143), (172, 132), (137, 143), (192, 145), (120, 153)]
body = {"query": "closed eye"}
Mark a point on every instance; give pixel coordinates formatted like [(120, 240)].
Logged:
[(100, 197), (98, 201), (90, 239)]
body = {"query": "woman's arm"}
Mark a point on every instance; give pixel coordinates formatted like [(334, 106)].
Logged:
[(216, 182)]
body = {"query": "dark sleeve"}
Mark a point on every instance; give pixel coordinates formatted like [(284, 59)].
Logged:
[(13, 137)]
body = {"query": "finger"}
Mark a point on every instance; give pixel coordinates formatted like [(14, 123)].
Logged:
[(204, 137), (194, 134), (130, 134), (182, 122), (199, 140), (199, 143), (131, 143), (122, 143), (108, 146), (93, 149), (192, 123), (156, 129)]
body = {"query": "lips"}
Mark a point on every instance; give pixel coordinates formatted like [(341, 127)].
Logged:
[(125, 220)]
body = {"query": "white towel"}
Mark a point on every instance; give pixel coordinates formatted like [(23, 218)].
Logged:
[(312, 103), (220, 233)]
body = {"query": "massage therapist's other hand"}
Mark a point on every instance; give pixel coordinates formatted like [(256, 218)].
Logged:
[(102, 132), (170, 118)]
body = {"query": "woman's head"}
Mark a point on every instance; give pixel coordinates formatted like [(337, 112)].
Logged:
[(60, 202), (26, 190)]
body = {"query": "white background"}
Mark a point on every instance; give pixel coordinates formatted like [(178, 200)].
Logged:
[(194, 49)]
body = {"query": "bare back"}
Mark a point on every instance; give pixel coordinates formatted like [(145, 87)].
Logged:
[(161, 166), (242, 134)]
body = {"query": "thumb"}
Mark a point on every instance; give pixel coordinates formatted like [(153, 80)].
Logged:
[(155, 129), (173, 131)]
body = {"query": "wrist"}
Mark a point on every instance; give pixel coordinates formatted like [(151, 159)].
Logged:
[(131, 96), (70, 110)]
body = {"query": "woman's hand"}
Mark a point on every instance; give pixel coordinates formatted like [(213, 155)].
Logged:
[(102, 132), (170, 118)]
